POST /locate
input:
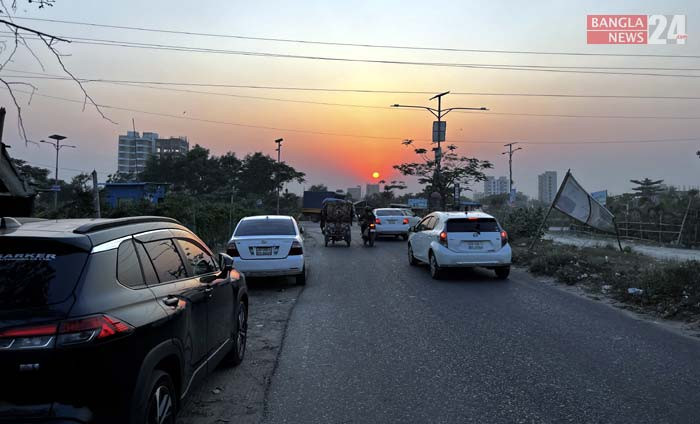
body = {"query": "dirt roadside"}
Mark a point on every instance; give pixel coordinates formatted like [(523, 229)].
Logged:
[(237, 395)]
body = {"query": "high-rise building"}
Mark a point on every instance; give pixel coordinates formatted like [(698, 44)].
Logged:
[(355, 193), (371, 190), (135, 149), (547, 186), (493, 185)]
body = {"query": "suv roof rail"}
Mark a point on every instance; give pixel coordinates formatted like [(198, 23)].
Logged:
[(119, 222), (9, 222)]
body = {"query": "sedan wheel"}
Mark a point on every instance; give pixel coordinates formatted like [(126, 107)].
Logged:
[(411, 259)]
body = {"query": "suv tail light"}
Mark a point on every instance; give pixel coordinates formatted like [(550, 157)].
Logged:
[(372, 225), (504, 238), (405, 221), (378, 221), (232, 250), (296, 248), (76, 331), (443, 238)]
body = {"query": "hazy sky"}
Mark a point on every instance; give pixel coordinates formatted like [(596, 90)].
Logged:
[(342, 161)]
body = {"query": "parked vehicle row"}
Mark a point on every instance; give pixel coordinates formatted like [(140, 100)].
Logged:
[(115, 320)]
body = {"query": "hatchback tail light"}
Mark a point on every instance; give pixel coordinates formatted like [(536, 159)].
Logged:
[(443, 238), (76, 331), (504, 238), (232, 250), (405, 221), (296, 248), (378, 221)]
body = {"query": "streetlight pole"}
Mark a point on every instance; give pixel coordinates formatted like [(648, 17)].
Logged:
[(277, 176), (510, 164), (439, 113), (58, 146)]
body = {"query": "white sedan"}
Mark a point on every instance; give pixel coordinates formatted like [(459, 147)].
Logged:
[(268, 245), (392, 222), (460, 240)]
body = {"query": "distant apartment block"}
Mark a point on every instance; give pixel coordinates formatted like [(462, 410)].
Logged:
[(493, 186), (547, 186), (135, 149), (371, 190), (355, 193)]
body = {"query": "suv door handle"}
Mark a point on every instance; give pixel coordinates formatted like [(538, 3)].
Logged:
[(171, 301)]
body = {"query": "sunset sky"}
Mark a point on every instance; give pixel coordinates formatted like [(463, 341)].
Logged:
[(364, 139)]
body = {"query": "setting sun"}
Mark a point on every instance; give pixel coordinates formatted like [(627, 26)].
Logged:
[(375, 174)]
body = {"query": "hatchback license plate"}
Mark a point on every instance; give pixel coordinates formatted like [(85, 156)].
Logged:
[(263, 251), (475, 245)]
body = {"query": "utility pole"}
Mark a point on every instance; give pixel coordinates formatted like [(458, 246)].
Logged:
[(95, 194), (510, 164), (439, 130), (57, 145), (277, 174)]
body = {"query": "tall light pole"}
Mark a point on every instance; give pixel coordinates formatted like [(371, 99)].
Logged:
[(277, 174), (510, 164), (58, 146), (438, 129)]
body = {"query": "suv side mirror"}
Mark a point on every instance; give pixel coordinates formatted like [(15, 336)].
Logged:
[(225, 262), (411, 229)]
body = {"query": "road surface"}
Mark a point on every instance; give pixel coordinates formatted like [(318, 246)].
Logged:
[(373, 340)]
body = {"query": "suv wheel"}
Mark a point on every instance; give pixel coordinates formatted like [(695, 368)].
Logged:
[(435, 270), (161, 404), (411, 259), (502, 272), (239, 336)]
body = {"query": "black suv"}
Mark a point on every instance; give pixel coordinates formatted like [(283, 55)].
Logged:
[(111, 320)]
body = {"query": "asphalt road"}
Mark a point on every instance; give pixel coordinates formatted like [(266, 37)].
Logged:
[(372, 340)]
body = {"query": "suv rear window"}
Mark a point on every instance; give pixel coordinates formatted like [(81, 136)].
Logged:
[(465, 225), (265, 227), (389, 212), (35, 273)]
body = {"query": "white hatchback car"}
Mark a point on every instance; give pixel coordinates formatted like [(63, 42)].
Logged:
[(392, 222), (460, 240), (267, 246)]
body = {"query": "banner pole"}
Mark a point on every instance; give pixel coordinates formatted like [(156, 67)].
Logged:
[(561, 187), (617, 233)]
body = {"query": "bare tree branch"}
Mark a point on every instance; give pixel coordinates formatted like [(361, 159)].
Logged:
[(20, 122)]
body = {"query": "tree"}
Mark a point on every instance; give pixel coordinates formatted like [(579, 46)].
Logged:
[(647, 188), (454, 169), (48, 41), (318, 187), (261, 175)]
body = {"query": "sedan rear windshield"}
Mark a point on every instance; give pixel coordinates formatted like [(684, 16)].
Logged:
[(389, 212), (465, 225), (265, 227), (36, 273)]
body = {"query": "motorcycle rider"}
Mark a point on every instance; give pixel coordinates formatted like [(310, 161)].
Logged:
[(366, 218)]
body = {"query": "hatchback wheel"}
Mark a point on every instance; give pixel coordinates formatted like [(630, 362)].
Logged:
[(411, 259), (502, 272), (240, 336), (161, 407), (435, 270)]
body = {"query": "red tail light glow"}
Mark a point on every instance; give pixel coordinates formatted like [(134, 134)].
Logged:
[(405, 221), (443, 238), (504, 238), (46, 336), (378, 221)]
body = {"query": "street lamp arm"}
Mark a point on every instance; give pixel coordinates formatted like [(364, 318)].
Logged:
[(67, 145), (48, 142), (430, 109), (446, 111)]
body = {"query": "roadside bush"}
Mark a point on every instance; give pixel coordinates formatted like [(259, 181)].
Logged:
[(522, 223)]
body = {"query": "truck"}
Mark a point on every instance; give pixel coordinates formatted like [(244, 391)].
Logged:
[(312, 203)]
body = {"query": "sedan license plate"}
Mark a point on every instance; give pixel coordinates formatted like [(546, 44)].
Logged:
[(475, 245), (263, 251), (391, 221)]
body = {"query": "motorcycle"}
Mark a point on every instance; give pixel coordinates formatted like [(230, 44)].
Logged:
[(369, 234)]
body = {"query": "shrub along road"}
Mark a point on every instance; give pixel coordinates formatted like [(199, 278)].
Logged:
[(372, 339)]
